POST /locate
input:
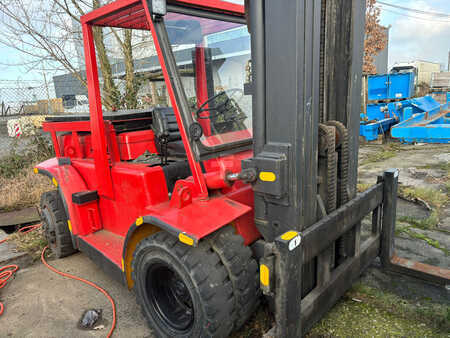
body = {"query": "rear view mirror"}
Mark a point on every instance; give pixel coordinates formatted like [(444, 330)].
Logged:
[(184, 32)]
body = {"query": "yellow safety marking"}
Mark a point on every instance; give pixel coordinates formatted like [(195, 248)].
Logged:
[(123, 266), (69, 223), (36, 170), (139, 221), (287, 236), (185, 239), (267, 176), (264, 275), (55, 182)]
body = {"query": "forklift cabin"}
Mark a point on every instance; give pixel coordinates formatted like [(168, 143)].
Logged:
[(255, 171)]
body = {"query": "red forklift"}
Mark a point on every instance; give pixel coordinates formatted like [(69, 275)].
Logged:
[(202, 208)]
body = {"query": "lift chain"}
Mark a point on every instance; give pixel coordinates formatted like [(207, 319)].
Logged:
[(327, 147), (342, 186), (343, 153)]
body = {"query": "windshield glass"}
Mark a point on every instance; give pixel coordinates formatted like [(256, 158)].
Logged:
[(213, 59)]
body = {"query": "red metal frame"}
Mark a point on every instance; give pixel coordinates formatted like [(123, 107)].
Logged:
[(202, 87), (95, 106), (123, 8), (128, 191)]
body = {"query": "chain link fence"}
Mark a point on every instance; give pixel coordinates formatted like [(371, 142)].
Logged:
[(28, 97), (67, 95)]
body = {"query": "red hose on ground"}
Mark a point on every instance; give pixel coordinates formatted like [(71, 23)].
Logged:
[(64, 274), (24, 231), (6, 272)]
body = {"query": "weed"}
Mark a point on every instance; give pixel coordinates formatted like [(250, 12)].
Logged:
[(429, 223), (22, 190), (432, 242), (31, 242), (435, 197), (445, 166), (367, 311), (379, 156), (19, 186), (37, 149), (361, 187)]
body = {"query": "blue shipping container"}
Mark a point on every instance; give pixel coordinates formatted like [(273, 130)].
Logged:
[(377, 87), (390, 86), (401, 86)]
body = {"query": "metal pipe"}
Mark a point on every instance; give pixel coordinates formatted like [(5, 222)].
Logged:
[(256, 8)]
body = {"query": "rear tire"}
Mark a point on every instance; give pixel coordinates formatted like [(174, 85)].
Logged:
[(183, 291), (242, 271), (54, 222)]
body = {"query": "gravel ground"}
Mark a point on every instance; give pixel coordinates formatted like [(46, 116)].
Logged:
[(420, 168)]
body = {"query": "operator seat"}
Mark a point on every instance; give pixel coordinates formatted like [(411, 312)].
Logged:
[(167, 134)]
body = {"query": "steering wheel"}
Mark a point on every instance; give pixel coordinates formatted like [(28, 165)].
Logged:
[(218, 108)]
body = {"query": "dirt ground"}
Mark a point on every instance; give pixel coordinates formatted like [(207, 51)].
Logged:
[(423, 209), (40, 303)]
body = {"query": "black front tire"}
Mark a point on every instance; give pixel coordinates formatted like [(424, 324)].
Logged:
[(242, 270), (183, 291), (55, 225)]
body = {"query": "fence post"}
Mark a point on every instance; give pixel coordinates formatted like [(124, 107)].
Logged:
[(390, 188)]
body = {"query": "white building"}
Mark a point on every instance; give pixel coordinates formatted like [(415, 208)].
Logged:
[(423, 69)]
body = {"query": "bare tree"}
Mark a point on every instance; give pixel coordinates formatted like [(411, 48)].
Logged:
[(44, 31), (375, 37)]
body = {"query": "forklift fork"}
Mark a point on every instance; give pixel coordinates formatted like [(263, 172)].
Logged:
[(295, 316)]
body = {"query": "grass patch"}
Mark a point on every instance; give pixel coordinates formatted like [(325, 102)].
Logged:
[(445, 166), (382, 155), (19, 186), (429, 223), (32, 242), (22, 190), (376, 313), (435, 198), (361, 187), (38, 149), (366, 311), (434, 243)]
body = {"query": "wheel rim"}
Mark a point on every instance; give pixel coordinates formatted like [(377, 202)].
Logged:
[(169, 297)]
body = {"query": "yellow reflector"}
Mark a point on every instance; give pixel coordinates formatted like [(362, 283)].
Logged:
[(139, 221), (185, 239), (55, 182), (123, 266), (287, 236), (264, 275), (36, 170), (267, 176), (69, 223)]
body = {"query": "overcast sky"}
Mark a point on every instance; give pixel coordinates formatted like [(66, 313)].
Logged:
[(412, 36), (418, 36)]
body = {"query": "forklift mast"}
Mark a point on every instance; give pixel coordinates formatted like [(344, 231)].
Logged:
[(311, 75), (306, 90), (289, 76)]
